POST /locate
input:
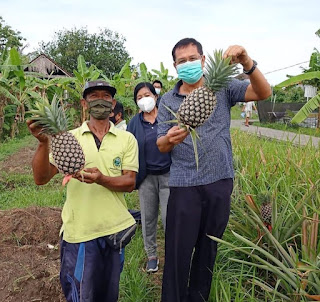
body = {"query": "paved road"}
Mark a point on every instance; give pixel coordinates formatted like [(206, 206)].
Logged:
[(296, 139)]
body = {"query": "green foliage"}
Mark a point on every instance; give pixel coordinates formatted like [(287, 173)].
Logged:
[(105, 49), (9, 38), (293, 94)]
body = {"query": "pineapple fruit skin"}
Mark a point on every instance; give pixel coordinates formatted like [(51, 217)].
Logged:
[(266, 212), (197, 107), (67, 153)]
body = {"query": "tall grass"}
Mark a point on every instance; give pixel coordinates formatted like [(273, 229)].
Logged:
[(281, 263)]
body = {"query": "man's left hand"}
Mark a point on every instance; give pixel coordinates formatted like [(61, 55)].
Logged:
[(238, 55), (89, 175)]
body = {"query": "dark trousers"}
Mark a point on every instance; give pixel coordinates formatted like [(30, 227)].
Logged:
[(90, 271), (193, 212)]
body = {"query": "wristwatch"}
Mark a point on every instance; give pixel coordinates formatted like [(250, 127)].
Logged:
[(251, 70)]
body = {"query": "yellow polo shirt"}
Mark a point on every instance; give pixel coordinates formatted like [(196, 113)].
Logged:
[(91, 210)]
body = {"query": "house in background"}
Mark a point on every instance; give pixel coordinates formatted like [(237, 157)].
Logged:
[(44, 65)]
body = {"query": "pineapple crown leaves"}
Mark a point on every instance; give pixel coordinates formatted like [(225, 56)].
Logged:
[(264, 197), (218, 71), (51, 117)]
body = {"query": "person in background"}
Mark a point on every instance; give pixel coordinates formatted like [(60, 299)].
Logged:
[(117, 116), (154, 167), (199, 202), (95, 208), (247, 109), (157, 87)]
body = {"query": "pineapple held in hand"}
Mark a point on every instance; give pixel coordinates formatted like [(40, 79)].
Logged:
[(66, 150), (201, 102)]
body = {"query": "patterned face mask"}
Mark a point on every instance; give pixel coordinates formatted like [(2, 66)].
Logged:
[(100, 109)]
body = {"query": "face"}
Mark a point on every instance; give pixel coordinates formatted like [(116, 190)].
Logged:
[(144, 92), (189, 53), (157, 85)]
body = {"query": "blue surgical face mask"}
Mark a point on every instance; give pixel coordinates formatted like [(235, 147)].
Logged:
[(190, 72)]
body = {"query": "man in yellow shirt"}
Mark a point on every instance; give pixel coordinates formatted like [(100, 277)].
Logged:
[(95, 207)]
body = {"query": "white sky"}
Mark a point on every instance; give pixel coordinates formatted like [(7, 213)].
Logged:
[(276, 33)]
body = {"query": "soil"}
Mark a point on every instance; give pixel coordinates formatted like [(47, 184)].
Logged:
[(29, 247), (29, 255)]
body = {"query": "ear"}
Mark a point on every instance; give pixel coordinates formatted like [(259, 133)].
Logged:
[(84, 104), (203, 61), (114, 102)]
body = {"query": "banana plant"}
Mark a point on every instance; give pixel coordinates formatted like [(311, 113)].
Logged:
[(312, 76), (312, 104)]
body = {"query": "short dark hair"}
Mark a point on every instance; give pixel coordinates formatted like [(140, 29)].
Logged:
[(157, 81), (118, 108), (184, 43), (141, 85)]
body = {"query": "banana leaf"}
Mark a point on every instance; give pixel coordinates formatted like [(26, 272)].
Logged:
[(303, 113), (299, 78)]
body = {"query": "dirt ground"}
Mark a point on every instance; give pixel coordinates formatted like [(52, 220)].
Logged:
[(29, 255), (29, 247)]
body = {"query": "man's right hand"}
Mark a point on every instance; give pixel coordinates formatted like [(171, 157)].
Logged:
[(36, 131), (176, 135)]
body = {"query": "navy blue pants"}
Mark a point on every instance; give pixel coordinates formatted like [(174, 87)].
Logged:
[(90, 271), (193, 212)]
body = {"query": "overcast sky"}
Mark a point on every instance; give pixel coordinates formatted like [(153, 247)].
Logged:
[(276, 33)]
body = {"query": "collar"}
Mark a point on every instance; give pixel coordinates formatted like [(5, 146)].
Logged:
[(176, 89), (85, 128)]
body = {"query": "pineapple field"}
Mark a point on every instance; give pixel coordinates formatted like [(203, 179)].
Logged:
[(270, 251)]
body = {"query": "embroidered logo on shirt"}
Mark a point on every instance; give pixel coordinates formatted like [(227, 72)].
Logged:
[(117, 162)]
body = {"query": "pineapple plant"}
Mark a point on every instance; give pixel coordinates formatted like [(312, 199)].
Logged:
[(201, 102), (66, 150)]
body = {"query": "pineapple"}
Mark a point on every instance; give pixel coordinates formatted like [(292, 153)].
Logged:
[(201, 102), (266, 208), (66, 150)]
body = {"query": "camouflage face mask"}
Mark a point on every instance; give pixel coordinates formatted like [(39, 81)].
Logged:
[(100, 109)]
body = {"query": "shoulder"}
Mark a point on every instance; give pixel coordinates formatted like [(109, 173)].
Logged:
[(77, 131), (123, 135)]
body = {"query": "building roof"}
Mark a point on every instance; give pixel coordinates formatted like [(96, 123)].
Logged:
[(46, 66)]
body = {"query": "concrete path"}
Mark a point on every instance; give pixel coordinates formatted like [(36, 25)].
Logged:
[(296, 139)]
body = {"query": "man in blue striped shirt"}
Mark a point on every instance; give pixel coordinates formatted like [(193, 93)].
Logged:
[(199, 202)]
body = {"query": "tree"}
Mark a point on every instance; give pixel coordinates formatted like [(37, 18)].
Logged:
[(105, 49), (8, 38)]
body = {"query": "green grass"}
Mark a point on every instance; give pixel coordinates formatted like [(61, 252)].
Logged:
[(290, 128), (20, 191), (13, 145)]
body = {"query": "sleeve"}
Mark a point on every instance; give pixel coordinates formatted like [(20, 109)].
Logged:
[(163, 116), (236, 91), (131, 156)]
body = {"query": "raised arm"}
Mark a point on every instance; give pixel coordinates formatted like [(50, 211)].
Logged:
[(259, 88), (43, 171)]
